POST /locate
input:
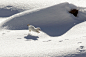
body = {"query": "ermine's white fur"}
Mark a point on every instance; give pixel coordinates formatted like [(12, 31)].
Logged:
[(32, 28)]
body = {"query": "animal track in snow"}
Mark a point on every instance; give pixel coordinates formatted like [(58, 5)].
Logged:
[(61, 41), (18, 38), (79, 42), (81, 49), (47, 41), (66, 39), (8, 31), (3, 33)]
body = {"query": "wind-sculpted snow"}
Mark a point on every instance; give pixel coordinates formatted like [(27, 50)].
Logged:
[(71, 44), (54, 21), (4, 12), (18, 41)]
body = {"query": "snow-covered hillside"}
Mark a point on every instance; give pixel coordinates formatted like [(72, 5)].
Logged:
[(19, 43), (30, 4), (53, 18), (15, 6), (54, 21)]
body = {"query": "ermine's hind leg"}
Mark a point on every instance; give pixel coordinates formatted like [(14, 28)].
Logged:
[(37, 31)]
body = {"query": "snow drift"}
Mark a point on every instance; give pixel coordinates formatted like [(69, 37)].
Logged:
[(55, 20), (8, 11), (71, 44)]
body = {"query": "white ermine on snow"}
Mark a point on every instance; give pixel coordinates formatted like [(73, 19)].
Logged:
[(32, 28)]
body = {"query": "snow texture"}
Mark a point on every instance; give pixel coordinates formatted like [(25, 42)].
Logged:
[(69, 31), (7, 11), (54, 21)]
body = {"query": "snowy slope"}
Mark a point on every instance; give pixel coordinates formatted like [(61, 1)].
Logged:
[(15, 6), (54, 21), (17, 41), (30, 4), (71, 44)]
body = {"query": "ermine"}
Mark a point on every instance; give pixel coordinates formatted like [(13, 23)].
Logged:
[(32, 28)]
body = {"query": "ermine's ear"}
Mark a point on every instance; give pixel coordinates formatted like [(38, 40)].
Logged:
[(28, 24)]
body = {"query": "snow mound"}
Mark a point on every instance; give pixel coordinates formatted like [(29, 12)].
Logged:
[(30, 4), (54, 20), (71, 44), (8, 11), (77, 30)]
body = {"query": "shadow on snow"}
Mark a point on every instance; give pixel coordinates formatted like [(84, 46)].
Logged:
[(31, 37)]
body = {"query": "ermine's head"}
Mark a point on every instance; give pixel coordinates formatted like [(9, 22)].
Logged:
[(28, 24), (38, 29)]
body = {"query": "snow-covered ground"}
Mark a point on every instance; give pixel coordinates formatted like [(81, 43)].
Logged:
[(62, 35), (16, 6)]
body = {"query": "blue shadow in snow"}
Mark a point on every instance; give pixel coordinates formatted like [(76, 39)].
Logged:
[(7, 12), (51, 20), (31, 37), (77, 55)]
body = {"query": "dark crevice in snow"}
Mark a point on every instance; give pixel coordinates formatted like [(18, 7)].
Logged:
[(74, 12)]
